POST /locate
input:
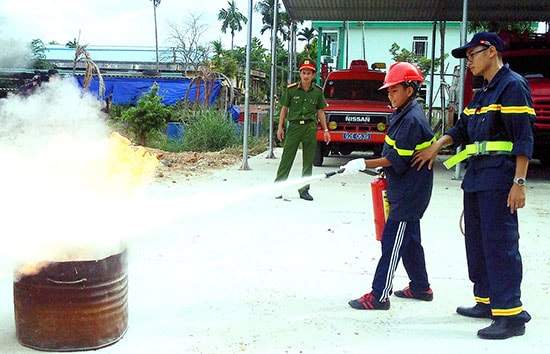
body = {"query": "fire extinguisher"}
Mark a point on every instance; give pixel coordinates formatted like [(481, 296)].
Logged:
[(380, 205)]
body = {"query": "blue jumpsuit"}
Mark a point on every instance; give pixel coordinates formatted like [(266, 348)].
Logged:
[(501, 110), (408, 192)]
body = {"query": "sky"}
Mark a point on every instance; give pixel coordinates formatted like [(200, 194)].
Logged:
[(120, 22)]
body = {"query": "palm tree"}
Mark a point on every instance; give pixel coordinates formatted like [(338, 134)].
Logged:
[(265, 8), (306, 34), (232, 19)]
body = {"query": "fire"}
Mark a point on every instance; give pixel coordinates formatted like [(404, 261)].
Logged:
[(127, 164)]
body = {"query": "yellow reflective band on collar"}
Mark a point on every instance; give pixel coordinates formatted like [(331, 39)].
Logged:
[(404, 152), (479, 148), (498, 107), (507, 312)]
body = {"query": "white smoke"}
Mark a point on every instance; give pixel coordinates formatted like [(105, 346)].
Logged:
[(14, 54), (48, 141)]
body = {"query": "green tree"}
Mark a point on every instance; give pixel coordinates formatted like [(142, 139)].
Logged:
[(306, 34), (265, 8), (39, 55), (223, 60), (491, 26), (149, 114), (71, 44), (423, 63), (231, 18)]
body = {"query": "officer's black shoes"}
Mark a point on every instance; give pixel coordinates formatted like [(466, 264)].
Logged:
[(477, 311), (369, 302), (504, 327), (408, 293), (304, 194)]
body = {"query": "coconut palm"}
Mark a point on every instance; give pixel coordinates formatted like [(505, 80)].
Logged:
[(265, 8), (306, 34), (232, 19)]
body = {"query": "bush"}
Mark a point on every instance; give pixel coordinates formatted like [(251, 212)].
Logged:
[(150, 114), (209, 130)]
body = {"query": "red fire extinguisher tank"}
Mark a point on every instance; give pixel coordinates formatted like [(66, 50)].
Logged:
[(380, 205)]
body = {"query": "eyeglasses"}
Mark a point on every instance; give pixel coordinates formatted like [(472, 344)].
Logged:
[(470, 57)]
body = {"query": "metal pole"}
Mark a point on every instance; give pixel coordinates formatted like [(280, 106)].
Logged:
[(270, 154), (442, 29), (291, 51), (244, 165), (432, 76), (155, 4), (458, 168)]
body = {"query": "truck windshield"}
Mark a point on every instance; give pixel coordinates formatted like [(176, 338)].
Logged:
[(532, 66), (355, 90)]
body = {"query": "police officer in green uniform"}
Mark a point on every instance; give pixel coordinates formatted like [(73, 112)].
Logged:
[(302, 104)]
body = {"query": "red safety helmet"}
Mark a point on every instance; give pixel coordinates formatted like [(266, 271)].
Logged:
[(402, 72)]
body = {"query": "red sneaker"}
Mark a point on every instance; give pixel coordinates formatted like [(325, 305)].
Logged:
[(407, 293), (369, 302)]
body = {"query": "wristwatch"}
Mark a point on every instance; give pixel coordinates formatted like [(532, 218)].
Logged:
[(520, 181)]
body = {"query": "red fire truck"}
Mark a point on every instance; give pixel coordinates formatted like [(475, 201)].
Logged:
[(528, 55), (357, 113)]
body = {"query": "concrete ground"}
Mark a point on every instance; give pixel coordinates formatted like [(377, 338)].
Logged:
[(230, 269)]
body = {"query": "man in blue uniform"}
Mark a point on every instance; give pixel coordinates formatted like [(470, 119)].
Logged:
[(496, 128), (408, 191), (302, 104)]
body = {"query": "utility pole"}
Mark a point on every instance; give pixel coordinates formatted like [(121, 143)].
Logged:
[(156, 3)]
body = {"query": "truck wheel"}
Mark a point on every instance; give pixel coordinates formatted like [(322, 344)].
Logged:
[(377, 150), (345, 150), (545, 158), (319, 155)]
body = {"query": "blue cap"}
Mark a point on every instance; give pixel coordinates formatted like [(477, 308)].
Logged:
[(482, 38)]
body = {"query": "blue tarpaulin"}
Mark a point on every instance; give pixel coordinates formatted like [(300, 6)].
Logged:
[(128, 90)]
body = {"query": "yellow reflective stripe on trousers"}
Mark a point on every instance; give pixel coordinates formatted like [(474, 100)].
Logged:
[(479, 148), (483, 300), (404, 152), (507, 312)]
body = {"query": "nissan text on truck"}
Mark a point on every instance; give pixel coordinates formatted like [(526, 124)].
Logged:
[(357, 113)]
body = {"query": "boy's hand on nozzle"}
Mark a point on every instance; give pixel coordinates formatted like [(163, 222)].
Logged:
[(354, 166)]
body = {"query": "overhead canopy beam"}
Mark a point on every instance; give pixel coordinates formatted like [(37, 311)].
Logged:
[(417, 10)]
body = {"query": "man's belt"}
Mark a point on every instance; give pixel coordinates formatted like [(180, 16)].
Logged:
[(302, 122), (480, 148)]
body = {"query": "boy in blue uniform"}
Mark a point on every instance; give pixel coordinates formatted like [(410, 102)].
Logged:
[(408, 190), (496, 128)]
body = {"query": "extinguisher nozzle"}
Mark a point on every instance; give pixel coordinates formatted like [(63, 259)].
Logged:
[(330, 174)]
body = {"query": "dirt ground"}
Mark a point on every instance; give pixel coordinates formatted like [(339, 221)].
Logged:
[(174, 165)]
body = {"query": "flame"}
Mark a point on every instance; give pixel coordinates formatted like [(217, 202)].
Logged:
[(128, 165)]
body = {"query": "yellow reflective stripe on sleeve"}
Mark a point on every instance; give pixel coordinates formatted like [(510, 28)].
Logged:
[(504, 110), (405, 152), (518, 110), (507, 312), (482, 300), (425, 144)]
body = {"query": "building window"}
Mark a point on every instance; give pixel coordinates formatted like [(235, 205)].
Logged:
[(420, 45)]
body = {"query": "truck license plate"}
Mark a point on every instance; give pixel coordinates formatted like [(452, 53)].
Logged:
[(356, 136)]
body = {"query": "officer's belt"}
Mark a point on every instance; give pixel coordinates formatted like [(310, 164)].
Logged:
[(302, 122), (480, 148)]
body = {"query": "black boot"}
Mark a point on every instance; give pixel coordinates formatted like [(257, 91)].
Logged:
[(505, 327), (477, 311), (304, 194)]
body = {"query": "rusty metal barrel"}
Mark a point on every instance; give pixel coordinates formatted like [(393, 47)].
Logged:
[(73, 305)]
